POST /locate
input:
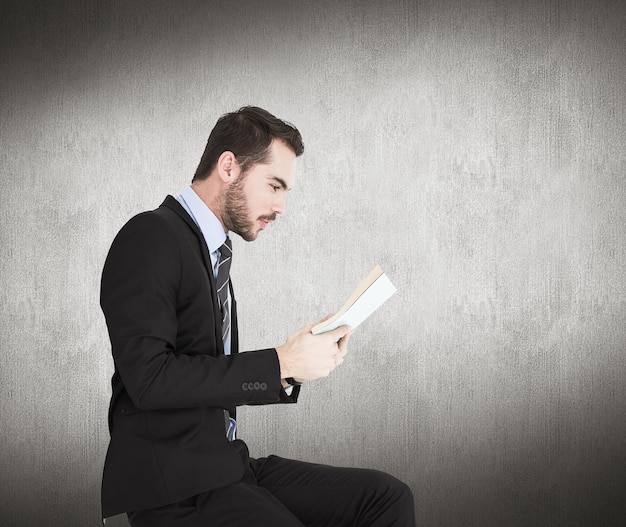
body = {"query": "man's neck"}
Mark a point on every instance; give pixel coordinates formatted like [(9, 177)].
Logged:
[(208, 191)]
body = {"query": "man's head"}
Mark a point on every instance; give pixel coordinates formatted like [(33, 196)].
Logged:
[(247, 168), (248, 134)]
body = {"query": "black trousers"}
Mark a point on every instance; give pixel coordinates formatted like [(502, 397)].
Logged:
[(277, 491)]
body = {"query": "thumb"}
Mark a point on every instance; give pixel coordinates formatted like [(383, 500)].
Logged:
[(327, 317)]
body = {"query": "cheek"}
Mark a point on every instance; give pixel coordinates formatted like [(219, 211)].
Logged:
[(254, 203), (260, 202)]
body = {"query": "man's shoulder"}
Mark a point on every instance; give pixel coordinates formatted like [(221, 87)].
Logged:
[(165, 223), (169, 214)]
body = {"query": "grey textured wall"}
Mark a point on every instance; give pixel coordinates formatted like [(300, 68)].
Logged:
[(476, 150)]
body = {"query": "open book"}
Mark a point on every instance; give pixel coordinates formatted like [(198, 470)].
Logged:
[(373, 291)]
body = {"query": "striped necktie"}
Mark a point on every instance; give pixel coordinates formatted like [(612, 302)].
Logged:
[(223, 278)]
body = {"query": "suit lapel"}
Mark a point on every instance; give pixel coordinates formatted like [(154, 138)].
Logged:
[(173, 204)]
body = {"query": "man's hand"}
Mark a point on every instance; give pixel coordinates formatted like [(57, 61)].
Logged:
[(306, 356)]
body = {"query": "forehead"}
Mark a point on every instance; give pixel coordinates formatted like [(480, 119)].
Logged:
[(281, 163)]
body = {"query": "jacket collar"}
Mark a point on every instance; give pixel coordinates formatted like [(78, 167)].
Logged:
[(172, 203)]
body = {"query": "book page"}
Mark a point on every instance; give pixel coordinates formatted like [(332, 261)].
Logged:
[(371, 293)]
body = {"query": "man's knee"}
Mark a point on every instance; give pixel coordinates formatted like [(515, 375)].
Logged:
[(395, 488), (393, 501)]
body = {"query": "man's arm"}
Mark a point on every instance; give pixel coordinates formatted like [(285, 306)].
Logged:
[(140, 299)]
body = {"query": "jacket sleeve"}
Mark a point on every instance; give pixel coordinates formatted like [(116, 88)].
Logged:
[(140, 298)]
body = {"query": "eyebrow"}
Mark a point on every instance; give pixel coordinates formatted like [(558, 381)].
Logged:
[(281, 182)]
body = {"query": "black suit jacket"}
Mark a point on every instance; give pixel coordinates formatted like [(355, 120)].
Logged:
[(172, 380)]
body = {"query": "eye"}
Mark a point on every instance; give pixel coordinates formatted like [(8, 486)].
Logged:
[(275, 187)]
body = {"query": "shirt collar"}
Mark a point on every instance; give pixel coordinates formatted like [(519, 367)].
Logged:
[(208, 223)]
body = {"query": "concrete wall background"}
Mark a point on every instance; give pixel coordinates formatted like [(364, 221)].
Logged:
[(476, 150)]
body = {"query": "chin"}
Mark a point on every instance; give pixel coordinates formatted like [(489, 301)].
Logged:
[(249, 236)]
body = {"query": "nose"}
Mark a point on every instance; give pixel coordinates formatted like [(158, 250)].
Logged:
[(279, 203)]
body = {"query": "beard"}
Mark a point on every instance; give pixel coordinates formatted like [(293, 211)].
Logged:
[(236, 213)]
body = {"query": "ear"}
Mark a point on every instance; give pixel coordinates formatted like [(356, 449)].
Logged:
[(228, 168)]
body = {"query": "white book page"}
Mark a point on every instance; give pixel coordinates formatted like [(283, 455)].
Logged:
[(373, 297)]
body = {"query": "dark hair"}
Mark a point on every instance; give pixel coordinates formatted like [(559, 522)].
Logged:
[(247, 133)]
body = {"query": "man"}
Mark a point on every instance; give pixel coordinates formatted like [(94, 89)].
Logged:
[(173, 459)]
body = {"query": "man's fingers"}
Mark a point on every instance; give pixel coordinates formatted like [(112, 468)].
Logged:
[(340, 333)]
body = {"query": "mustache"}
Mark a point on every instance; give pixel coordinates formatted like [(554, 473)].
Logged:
[(271, 217)]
